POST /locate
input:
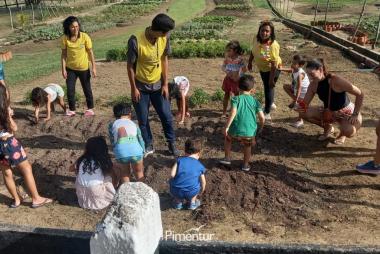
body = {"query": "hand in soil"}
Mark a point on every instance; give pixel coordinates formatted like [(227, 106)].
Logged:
[(181, 122)]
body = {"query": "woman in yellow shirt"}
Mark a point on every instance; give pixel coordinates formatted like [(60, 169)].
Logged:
[(76, 47), (266, 52)]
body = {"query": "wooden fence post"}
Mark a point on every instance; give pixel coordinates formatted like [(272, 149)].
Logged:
[(294, 5), (279, 10), (283, 11), (327, 8), (360, 19), (6, 6), (32, 12), (315, 15), (287, 10), (10, 14), (377, 34)]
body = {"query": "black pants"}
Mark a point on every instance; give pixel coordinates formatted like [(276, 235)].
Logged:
[(84, 78), (268, 91)]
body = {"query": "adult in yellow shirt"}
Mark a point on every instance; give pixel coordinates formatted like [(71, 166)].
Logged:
[(76, 47), (266, 53)]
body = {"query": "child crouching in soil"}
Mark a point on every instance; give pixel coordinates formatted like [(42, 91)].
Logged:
[(41, 97), (127, 143), (179, 89), (95, 175), (188, 176), (241, 124), (12, 153)]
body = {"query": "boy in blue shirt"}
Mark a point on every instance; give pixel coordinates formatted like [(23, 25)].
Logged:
[(241, 124), (188, 176)]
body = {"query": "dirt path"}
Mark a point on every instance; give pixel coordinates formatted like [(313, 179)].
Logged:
[(46, 46)]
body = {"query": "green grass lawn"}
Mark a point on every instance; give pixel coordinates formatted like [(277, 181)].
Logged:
[(261, 4), (36, 64), (335, 1)]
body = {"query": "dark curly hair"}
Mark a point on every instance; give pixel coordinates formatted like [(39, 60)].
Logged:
[(95, 156), (67, 23), (174, 90), (272, 34), (122, 109), (235, 46), (193, 145), (39, 97), (5, 121)]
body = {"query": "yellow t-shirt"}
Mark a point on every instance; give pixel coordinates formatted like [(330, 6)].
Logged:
[(77, 57), (148, 66), (274, 53)]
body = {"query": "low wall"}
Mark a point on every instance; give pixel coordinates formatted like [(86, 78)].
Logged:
[(356, 51), (15, 239)]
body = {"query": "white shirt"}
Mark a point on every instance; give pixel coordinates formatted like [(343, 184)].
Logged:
[(183, 84), (88, 180), (304, 85)]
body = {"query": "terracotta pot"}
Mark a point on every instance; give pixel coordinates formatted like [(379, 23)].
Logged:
[(329, 29), (312, 23), (349, 38), (355, 40), (361, 39), (361, 43), (334, 28), (324, 28), (370, 42), (339, 26)]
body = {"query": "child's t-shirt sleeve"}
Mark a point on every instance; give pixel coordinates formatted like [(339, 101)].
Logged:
[(258, 106), (140, 139), (203, 170), (234, 102), (110, 130)]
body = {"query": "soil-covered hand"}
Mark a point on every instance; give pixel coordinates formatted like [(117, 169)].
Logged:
[(135, 95)]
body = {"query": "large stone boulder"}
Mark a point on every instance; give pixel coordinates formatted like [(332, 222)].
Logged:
[(132, 223)]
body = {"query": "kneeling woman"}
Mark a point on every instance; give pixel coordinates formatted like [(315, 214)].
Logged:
[(332, 90)]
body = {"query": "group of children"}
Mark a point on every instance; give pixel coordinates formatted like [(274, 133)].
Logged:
[(98, 176)]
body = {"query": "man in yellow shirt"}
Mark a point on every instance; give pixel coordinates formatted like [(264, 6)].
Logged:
[(147, 63)]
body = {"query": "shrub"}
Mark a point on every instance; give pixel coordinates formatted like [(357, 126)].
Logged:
[(234, 6), (27, 100), (121, 98), (218, 95), (117, 55), (199, 97), (260, 96)]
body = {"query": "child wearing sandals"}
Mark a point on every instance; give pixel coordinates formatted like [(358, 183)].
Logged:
[(127, 143), (95, 175), (232, 64), (47, 96), (12, 153), (300, 82), (179, 89), (187, 176), (241, 124)]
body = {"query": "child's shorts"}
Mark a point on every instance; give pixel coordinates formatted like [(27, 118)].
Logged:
[(11, 151), (179, 194), (130, 159), (230, 85), (246, 141)]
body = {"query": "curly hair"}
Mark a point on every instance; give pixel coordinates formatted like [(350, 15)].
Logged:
[(95, 156), (235, 46), (193, 145), (67, 23), (39, 97), (5, 121), (174, 90), (261, 25)]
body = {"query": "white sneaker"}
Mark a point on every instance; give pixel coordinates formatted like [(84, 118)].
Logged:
[(273, 106), (267, 116)]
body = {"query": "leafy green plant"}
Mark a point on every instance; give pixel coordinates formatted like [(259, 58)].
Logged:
[(369, 25), (117, 55), (215, 18), (77, 96), (21, 19), (199, 25), (234, 6), (218, 95), (121, 98), (195, 34), (27, 100), (260, 96), (199, 97)]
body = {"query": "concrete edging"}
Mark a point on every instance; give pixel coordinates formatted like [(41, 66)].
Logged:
[(356, 51), (17, 239)]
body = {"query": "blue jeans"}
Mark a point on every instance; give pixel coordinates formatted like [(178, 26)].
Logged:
[(163, 110)]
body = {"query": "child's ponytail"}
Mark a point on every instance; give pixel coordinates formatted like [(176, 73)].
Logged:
[(5, 120)]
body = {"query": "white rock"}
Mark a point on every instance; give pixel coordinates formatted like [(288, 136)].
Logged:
[(132, 223)]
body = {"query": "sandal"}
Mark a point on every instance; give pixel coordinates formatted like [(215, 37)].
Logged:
[(178, 115), (193, 206), (42, 204), (323, 137), (21, 200), (69, 113), (187, 114), (297, 124), (339, 141)]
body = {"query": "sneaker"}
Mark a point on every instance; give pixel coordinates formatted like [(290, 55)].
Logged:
[(173, 150), (368, 168), (177, 205), (225, 161), (267, 116), (245, 167), (273, 106), (193, 206), (89, 113), (149, 149)]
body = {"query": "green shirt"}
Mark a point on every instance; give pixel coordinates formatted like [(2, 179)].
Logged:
[(244, 123)]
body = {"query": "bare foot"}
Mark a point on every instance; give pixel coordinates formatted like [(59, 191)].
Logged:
[(340, 140), (327, 132), (20, 199)]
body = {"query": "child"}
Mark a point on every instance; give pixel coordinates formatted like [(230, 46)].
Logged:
[(94, 170), (127, 143), (188, 176), (40, 97), (300, 83), (179, 89), (231, 66), (241, 124), (12, 153)]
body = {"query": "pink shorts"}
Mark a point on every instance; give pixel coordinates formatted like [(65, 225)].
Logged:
[(230, 86)]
